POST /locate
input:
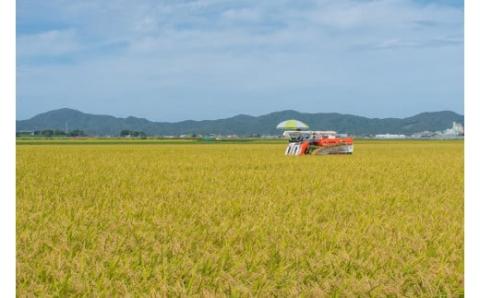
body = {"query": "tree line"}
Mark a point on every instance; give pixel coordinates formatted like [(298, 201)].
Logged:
[(133, 133), (53, 133), (76, 133)]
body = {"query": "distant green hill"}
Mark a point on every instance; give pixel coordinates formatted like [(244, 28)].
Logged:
[(242, 125)]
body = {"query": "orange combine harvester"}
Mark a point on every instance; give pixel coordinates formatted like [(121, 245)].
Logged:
[(317, 143)]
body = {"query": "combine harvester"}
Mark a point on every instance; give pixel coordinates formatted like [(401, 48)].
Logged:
[(303, 142)]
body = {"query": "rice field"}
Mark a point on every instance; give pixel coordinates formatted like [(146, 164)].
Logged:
[(239, 220)]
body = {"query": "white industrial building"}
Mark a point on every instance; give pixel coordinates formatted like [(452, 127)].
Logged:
[(390, 136)]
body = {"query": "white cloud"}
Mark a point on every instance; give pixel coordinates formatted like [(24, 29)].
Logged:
[(186, 25), (49, 43)]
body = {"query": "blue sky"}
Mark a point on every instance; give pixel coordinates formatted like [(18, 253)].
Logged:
[(177, 60)]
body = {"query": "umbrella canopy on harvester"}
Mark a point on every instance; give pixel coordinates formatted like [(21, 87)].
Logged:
[(292, 124)]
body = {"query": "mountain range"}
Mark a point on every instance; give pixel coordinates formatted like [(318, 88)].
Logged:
[(242, 125)]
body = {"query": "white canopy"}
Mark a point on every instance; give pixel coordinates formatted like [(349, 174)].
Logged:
[(292, 124)]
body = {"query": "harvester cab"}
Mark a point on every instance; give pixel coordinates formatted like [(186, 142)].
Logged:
[(317, 143)]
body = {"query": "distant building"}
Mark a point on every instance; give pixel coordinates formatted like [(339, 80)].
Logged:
[(25, 132), (423, 134), (455, 130), (389, 136)]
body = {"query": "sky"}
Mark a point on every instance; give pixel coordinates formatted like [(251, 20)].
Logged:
[(207, 59)]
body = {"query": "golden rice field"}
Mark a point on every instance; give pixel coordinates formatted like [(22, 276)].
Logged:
[(240, 220)]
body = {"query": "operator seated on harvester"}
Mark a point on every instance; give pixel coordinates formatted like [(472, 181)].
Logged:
[(303, 142)]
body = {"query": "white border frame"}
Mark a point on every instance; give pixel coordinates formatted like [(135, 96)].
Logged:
[(7, 147), (472, 149)]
